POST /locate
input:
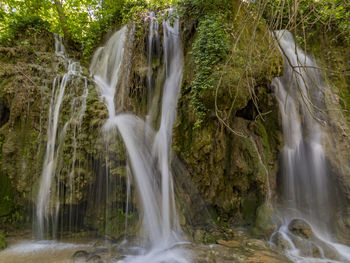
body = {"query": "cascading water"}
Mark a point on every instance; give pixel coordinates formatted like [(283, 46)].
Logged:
[(48, 200), (148, 152), (306, 189), (59, 47), (105, 67)]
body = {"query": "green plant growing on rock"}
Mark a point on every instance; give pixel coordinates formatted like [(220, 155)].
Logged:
[(3, 243), (210, 47)]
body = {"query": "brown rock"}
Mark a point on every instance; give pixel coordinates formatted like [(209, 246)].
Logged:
[(301, 228), (229, 243), (281, 242), (265, 257)]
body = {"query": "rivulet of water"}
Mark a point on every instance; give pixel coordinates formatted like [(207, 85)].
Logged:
[(148, 150), (305, 187), (48, 199)]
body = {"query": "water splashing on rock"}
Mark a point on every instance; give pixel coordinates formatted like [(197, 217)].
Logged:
[(306, 189), (48, 199), (148, 151)]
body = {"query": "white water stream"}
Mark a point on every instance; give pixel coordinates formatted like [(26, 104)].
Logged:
[(148, 152), (306, 188), (48, 199)]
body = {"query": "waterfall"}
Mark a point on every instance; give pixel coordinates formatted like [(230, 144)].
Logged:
[(306, 189), (59, 47), (149, 151), (305, 178), (105, 67), (48, 199)]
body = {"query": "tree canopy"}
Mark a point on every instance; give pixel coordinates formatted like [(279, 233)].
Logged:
[(80, 21), (83, 22)]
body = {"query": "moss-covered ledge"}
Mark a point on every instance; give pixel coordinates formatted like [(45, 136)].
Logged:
[(232, 156)]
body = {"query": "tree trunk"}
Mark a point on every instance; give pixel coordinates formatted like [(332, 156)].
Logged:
[(63, 22)]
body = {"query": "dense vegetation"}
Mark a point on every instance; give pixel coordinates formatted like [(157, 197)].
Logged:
[(83, 22), (228, 48)]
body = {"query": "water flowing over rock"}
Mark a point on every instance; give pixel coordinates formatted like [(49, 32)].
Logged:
[(305, 185), (48, 199), (148, 151), (105, 67), (157, 157)]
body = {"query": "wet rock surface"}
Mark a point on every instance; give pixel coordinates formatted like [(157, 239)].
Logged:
[(242, 253), (280, 241), (301, 237), (238, 246), (300, 228)]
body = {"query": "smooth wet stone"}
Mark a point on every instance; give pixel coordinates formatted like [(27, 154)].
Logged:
[(307, 248), (94, 259), (310, 245), (103, 242), (256, 243), (265, 257), (300, 228), (80, 256), (328, 250), (237, 254), (99, 250), (279, 240), (229, 243)]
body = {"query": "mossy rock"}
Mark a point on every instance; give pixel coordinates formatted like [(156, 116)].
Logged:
[(3, 243), (6, 197)]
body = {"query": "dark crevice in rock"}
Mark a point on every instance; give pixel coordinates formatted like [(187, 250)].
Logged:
[(249, 112), (4, 114)]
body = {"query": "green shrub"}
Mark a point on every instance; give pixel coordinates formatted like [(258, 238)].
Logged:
[(21, 25), (210, 47)]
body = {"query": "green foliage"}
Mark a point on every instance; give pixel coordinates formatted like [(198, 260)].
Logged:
[(21, 17), (199, 8), (210, 47), (133, 9), (88, 24), (308, 17), (22, 24), (83, 22), (136, 9), (28, 22)]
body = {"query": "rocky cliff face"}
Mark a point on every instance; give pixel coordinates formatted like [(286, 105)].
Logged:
[(234, 174), (26, 70), (232, 156), (226, 164), (27, 74)]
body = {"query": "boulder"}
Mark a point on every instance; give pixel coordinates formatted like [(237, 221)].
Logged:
[(281, 242), (301, 228), (80, 256)]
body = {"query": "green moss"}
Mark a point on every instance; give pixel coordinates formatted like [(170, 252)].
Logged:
[(6, 197), (231, 171), (210, 47), (6, 192), (3, 243), (263, 224)]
